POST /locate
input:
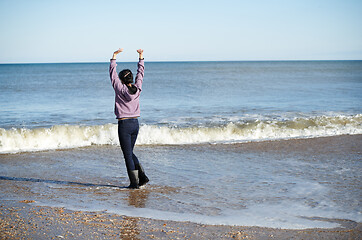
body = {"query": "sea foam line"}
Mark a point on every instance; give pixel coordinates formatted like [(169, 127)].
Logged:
[(74, 136)]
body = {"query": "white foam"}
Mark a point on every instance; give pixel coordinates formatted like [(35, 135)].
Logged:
[(56, 137), (73, 136), (253, 130)]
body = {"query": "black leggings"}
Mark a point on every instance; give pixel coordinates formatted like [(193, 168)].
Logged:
[(127, 134)]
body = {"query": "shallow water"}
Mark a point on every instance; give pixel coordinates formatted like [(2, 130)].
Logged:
[(272, 184)]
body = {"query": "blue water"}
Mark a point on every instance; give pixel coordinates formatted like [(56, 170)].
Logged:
[(257, 182), (43, 95)]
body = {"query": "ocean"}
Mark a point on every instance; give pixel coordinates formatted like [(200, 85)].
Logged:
[(269, 143)]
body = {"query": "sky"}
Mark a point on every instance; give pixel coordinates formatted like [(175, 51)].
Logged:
[(42, 31)]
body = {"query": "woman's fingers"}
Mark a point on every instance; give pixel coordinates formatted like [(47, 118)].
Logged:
[(119, 50)]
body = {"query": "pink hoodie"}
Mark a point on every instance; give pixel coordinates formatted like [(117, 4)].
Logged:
[(126, 104)]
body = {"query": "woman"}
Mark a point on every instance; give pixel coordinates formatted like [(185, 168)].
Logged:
[(127, 110)]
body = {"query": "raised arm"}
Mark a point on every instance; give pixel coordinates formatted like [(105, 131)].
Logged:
[(113, 71), (116, 82), (140, 70), (116, 52), (140, 53)]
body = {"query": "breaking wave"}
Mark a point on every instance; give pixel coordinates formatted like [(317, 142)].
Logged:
[(74, 136)]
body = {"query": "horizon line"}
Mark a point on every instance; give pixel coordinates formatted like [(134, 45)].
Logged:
[(165, 61)]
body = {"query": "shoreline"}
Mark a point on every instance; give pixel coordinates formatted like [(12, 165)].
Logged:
[(253, 145), (23, 219)]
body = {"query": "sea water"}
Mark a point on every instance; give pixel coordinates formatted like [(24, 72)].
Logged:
[(192, 115), (50, 106)]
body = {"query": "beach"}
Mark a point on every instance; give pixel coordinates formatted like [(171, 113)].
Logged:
[(245, 117), (19, 220), (41, 205), (274, 152)]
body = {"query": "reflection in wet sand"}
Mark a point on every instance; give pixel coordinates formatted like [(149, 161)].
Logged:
[(138, 198)]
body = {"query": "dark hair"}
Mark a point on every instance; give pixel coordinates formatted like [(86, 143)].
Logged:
[(126, 76)]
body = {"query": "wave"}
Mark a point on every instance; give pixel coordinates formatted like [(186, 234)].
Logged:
[(74, 136)]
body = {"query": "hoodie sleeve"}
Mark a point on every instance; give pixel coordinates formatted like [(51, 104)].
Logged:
[(140, 74), (116, 82)]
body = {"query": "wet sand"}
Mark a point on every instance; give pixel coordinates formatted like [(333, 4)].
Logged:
[(24, 220)]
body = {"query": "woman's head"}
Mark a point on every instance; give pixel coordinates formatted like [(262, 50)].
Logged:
[(126, 76)]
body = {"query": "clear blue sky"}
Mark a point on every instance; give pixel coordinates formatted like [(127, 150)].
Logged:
[(89, 31)]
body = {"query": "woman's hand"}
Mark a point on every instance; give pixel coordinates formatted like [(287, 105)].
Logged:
[(140, 52), (116, 52)]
